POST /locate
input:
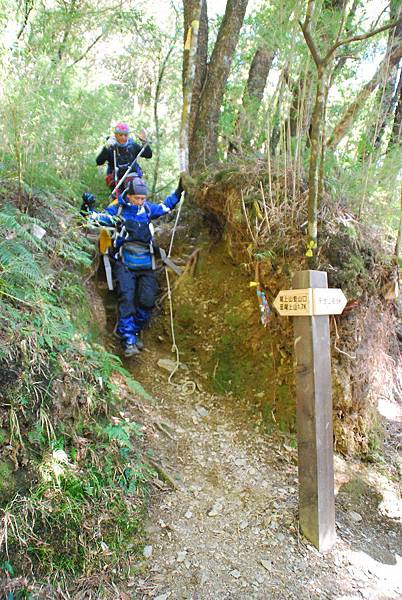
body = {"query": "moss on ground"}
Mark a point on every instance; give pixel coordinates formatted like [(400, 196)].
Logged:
[(217, 320)]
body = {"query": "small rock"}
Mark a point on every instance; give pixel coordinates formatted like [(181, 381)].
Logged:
[(266, 564), (188, 514), (163, 596), (259, 578), (240, 462), (181, 556), (243, 524), (355, 516), (280, 537), (167, 364), (235, 573), (204, 577), (216, 509), (147, 552), (201, 411)]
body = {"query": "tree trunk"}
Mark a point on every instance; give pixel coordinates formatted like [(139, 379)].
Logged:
[(257, 77), (396, 133), (191, 12), (276, 110), (386, 97), (317, 123), (189, 71), (204, 142), (302, 103), (252, 97), (351, 112)]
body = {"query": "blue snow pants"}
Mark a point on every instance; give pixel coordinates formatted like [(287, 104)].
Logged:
[(136, 295)]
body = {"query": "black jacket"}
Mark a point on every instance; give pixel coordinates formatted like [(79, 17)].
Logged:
[(124, 155)]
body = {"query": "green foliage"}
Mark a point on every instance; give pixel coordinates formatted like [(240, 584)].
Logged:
[(70, 505), (121, 433), (90, 500), (7, 483)]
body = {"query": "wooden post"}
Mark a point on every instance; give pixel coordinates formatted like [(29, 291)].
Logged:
[(314, 420)]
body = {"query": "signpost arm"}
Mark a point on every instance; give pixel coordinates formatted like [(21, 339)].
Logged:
[(314, 420)]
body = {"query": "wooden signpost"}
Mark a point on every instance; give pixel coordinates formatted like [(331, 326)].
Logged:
[(311, 302)]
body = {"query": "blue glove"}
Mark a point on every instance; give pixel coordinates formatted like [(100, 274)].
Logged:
[(88, 203)]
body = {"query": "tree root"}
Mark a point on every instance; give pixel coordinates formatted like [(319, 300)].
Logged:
[(162, 474)]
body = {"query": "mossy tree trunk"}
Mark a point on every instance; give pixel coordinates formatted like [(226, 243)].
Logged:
[(189, 74), (207, 100), (196, 10), (246, 120), (396, 133)]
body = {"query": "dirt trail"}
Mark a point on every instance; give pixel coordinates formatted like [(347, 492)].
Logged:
[(230, 530)]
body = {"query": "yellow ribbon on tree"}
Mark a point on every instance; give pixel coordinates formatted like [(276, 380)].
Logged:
[(310, 247)]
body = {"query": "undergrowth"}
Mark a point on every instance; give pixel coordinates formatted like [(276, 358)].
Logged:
[(259, 211), (73, 483)]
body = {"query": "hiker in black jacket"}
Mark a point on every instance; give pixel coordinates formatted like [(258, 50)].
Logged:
[(120, 151)]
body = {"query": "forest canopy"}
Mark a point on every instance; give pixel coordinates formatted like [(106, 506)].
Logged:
[(73, 68)]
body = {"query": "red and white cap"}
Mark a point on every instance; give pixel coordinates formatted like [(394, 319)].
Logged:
[(122, 128)]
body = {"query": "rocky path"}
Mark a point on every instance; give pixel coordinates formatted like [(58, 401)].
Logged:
[(229, 529)]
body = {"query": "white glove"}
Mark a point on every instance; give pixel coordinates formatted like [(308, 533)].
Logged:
[(111, 142)]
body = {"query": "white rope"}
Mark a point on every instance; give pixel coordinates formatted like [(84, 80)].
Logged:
[(169, 291), (174, 345), (188, 386)]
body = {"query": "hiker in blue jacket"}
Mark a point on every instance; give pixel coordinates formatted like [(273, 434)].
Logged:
[(133, 256)]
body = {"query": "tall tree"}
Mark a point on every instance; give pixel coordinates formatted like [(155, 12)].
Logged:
[(396, 132), (246, 120), (195, 10), (205, 109), (380, 78), (387, 94), (323, 59)]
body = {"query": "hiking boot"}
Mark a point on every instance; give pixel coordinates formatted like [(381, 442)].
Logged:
[(130, 350)]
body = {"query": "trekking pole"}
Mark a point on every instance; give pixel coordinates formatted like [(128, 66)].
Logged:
[(116, 176), (127, 173)]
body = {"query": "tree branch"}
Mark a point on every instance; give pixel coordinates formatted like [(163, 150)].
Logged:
[(310, 43), (364, 36), (83, 55), (28, 6)]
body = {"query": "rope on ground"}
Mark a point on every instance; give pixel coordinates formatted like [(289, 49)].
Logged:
[(188, 387), (174, 345)]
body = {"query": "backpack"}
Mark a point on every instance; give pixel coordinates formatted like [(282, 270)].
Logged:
[(137, 251)]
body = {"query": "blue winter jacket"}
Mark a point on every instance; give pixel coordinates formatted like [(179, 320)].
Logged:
[(128, 212)]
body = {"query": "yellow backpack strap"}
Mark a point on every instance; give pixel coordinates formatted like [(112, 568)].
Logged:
[(105, 241)]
